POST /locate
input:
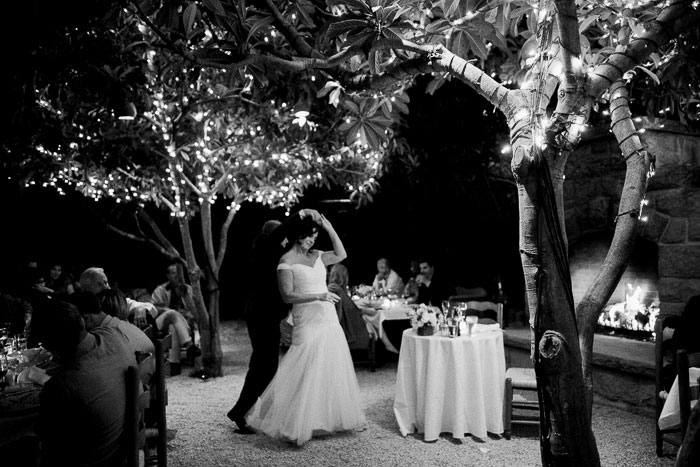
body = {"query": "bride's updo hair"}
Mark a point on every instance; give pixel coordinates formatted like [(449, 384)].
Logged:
[(306, 227)]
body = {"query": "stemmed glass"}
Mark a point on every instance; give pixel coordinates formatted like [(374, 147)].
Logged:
[(4, 334)]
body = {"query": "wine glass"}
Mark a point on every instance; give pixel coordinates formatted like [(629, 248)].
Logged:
[(471, 324), (4, 335), (446, 308)]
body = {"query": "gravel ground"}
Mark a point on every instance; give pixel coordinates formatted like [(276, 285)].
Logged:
[(205, 437)]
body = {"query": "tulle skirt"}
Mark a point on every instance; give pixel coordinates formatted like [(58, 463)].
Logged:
[(315, 389)]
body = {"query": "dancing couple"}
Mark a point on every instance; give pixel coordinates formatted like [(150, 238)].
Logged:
[(315, 389)]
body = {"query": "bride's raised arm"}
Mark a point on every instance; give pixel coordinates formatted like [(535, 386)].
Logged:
[(338, 254)]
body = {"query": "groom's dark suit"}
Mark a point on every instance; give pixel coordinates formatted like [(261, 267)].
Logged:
[(263, 313)]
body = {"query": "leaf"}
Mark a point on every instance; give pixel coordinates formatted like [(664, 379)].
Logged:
[(189, 15), (334, 97), (518, 12), (327, 88), (215, 6), (459, 43), (357, 5), (656, 58), (435, 84), (264, 21), (336, 29), (586, 23), (651, 74), (400, 105), (452, 8), (476, 44), (305, 14), (352, 107)]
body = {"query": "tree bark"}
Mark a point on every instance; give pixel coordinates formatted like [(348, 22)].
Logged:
[(213, 291), (195, 276)]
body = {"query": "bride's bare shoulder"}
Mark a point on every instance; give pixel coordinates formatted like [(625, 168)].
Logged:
[(287, 258)]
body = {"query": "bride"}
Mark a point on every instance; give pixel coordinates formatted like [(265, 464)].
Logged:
[(315, 389)]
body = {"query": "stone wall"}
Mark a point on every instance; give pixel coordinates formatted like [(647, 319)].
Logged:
[(594, 178)]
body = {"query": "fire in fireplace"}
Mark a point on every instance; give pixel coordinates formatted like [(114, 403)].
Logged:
[(633, 318)]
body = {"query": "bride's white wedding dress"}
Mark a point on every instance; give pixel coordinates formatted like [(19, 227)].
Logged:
[(315, 389)]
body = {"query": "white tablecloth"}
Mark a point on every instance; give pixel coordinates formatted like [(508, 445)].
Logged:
[(374, 317), (450, 385), (671, 413)]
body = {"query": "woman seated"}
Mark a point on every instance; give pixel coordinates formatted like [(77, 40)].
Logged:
[(349, 314)]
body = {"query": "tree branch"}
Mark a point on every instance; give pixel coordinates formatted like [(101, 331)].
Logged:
[(672, 20), (143, 239), (291, 34), (158, 233), (638, 163), (223, 237)]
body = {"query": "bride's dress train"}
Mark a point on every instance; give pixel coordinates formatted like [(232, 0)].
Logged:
[(315, 389)]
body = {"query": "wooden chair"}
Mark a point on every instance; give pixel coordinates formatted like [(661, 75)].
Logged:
[(523, 380), (137, 400), (157, 420), (486, 309), (464, 293), (673, 436)]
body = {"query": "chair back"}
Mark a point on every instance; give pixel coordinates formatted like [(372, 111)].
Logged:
[(484, 309), (464, 294), (159, 398), (665, 373), (137, 400)]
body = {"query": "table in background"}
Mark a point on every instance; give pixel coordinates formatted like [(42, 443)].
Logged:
[(375, 317), (671, 413), (451, 385)]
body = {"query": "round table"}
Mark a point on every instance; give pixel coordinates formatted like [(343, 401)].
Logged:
[(451, 385)]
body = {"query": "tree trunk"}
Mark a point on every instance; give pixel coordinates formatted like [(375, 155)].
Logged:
[(214, 300), (195, 275), (566, 438)]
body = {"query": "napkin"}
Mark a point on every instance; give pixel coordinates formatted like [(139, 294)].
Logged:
[(33, 374)]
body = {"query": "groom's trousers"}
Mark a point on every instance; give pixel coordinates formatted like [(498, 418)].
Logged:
[(264, 332)]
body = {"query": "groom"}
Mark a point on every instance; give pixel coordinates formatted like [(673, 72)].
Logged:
[(263, 313)]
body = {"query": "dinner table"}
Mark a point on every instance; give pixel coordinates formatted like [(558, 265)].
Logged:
[(19, 393), (670, 416), (376, 311), (451, 384)]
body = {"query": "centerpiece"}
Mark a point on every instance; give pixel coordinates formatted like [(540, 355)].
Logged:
[(423, 320)]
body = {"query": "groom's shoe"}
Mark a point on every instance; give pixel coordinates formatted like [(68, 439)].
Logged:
[(243, 427)]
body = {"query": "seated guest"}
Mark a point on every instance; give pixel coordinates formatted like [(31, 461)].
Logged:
[(432, 288), (681, 332), (176, 294), (349, 315), (59, 281), (90, 307), (95, 280), (387, 280), (82, 406), (410, 291)]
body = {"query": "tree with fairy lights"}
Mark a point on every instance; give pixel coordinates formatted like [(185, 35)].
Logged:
[(547, 65), (199, 140)]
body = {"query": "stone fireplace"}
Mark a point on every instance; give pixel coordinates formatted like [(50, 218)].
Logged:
[(666, 263)]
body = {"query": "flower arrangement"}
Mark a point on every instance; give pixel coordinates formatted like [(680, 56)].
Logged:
[(423, 319)]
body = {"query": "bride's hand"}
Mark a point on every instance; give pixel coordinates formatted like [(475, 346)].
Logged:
[(329, 297)]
